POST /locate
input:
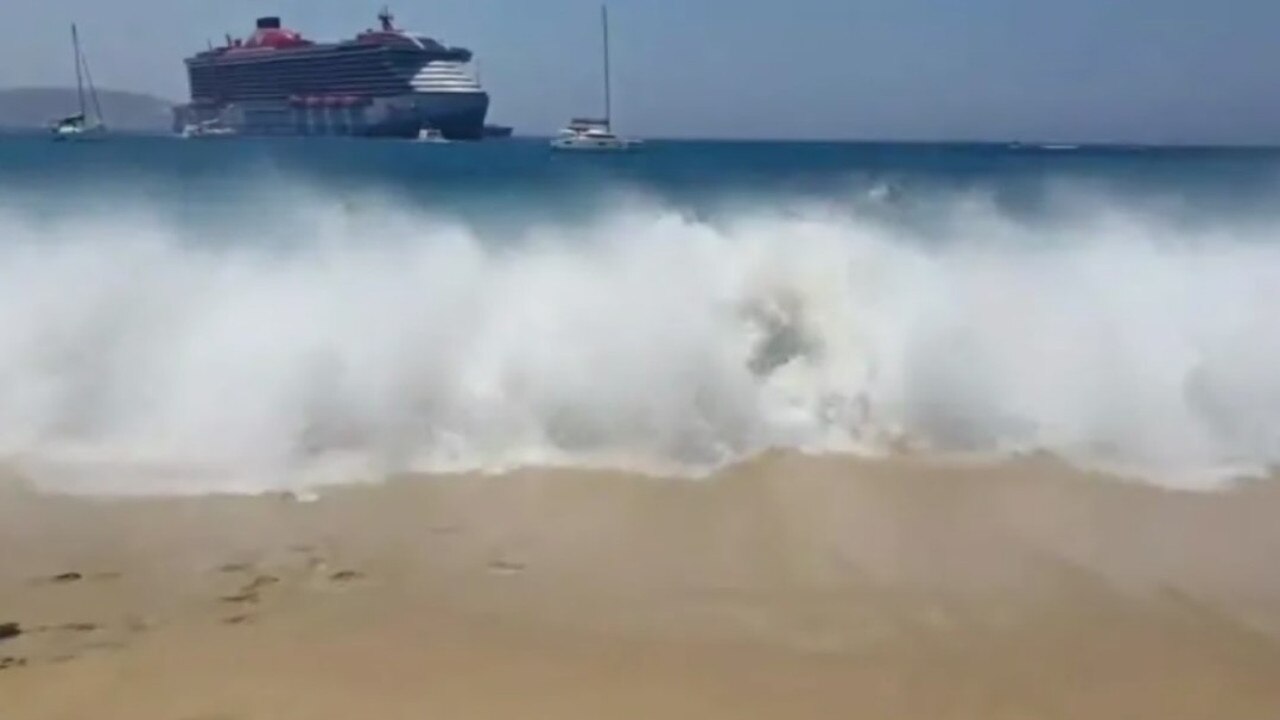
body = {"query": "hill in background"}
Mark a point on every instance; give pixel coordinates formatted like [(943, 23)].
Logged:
[(27, 108)]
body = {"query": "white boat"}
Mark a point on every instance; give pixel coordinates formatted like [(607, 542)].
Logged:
[(431, 135), (207, 129), (583, 134), (80, 126), (594, 135)]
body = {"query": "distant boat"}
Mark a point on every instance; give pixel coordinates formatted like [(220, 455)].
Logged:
[(431, 135), (596, 135), (80, 126), (498, 131), (587, 134), (207, 129)]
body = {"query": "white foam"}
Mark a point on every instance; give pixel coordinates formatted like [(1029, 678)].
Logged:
[(136, 356)]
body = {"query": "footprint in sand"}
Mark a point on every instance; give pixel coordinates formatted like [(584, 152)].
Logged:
[(12, 662), (73, 576), (249, 597), (251, 592), (506, 567), (260, 582), (346, 576)]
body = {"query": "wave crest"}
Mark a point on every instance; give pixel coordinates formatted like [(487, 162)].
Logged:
[(194, 360)]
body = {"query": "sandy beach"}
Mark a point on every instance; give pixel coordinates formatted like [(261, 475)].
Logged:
[(789, 587)]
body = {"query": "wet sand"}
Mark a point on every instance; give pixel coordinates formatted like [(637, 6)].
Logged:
[(789, 587)]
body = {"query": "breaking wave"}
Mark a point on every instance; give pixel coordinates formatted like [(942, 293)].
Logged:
[(352, 341)]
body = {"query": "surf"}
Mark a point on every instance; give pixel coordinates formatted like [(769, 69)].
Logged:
[(357, 341)]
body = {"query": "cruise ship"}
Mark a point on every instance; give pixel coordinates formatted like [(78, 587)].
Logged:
[(385, 82)]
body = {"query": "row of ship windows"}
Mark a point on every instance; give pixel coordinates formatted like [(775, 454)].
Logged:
[(331, 87), (206, 81), (302, 74), (278, 89), (270, 97), (285, 81), (282, 91), (277, 95), (277, 80), (297, 72), (409, 65), (330, 69), (307, 58), (294, 67), (354, 82)]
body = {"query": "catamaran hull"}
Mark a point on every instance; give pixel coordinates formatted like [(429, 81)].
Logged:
[(589, 144), (79, 135)]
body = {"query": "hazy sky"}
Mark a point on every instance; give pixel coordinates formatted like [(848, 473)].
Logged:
[(1138, 70)]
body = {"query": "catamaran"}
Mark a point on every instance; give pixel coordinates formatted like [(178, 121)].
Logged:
[(593, 134), (80, 126)]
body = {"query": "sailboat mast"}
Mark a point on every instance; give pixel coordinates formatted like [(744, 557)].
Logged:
[(608, 99), (75, 44)]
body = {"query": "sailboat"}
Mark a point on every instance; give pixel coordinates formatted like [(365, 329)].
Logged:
[(80, 126), (592, 134)]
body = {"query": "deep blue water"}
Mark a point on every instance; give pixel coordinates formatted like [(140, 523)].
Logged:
[(207, 178)]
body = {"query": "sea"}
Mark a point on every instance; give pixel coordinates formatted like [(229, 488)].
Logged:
[(252, 315)]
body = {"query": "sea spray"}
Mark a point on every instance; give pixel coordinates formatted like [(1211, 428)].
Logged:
[(344, 342)]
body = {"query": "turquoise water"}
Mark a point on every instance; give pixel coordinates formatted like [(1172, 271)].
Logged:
[(244, 314), (523, 175)]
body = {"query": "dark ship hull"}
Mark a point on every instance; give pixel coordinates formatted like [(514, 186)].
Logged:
[(381, 84), (457, 117)]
